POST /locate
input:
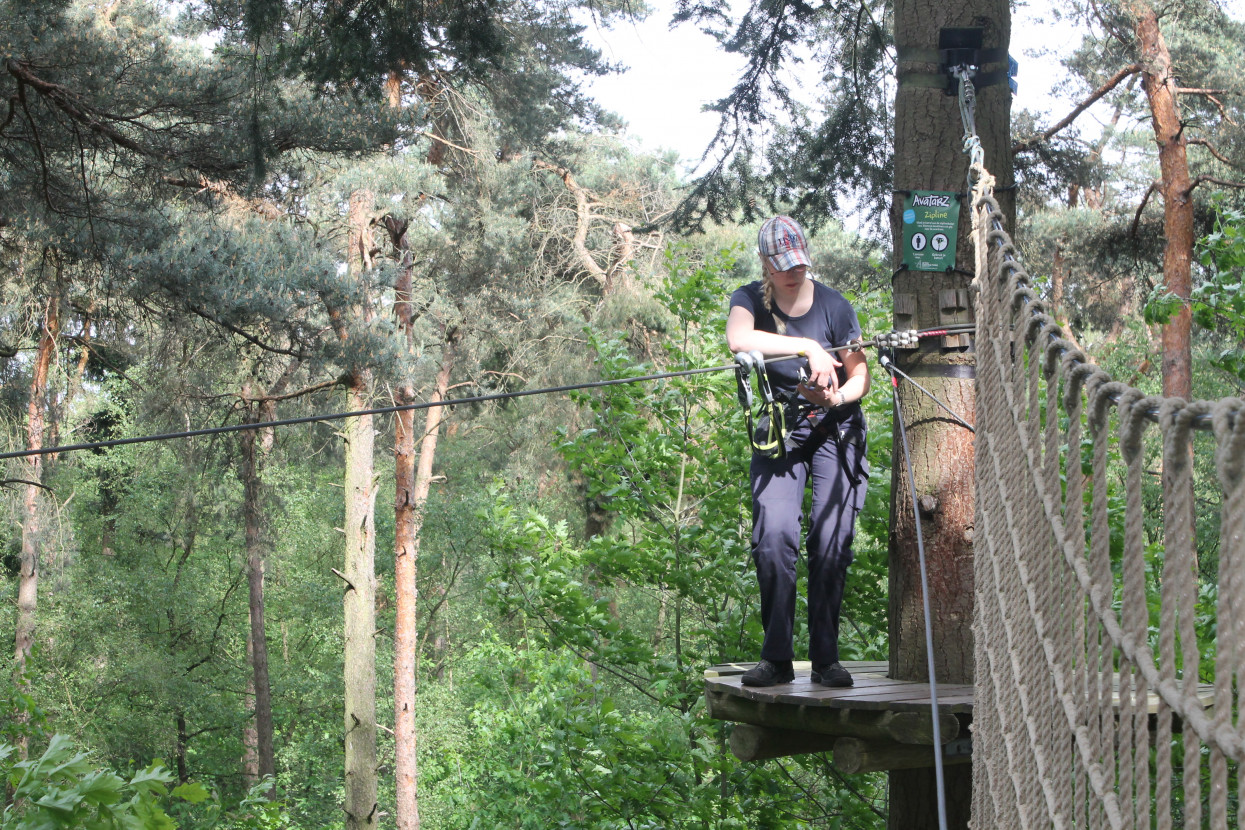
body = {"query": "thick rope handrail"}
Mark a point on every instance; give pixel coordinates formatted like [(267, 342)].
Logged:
[(1228, 410), (1062, 613)]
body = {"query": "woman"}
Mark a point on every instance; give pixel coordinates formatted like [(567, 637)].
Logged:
[(789, 313)]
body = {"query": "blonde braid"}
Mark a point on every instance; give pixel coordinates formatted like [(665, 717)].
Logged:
[(767, 296)]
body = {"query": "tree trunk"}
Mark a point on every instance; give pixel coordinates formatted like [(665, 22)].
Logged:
[(928, 156), (1178, 233), (1160, 87), (36, 409), (183, 771), (252, 445), (360, 615), (408, 509), (411, 511), (250, 735), (360, 571)]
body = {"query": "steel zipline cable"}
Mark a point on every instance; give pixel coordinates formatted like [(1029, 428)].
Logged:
[(940, 784), (885, 339)]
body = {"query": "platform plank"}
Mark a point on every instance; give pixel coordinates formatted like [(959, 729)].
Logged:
[(873, 690)]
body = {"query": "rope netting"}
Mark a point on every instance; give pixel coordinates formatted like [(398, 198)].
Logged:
[(1097, 705)]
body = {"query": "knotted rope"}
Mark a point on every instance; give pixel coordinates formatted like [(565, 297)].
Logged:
[(1086, 620)]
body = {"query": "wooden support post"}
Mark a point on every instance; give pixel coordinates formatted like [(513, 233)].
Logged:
[(928, 156), (758, 743), (852, 755)]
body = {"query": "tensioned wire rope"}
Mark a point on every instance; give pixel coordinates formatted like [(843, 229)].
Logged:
[(886, 339)]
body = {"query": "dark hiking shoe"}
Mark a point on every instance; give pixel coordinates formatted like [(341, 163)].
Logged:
[(833, 675), (766, 673)]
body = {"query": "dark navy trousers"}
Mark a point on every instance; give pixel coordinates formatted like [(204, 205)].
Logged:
[(836, 467)]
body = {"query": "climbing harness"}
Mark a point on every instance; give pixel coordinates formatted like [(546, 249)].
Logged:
[(778, 414), (767, 426), (772, 416)]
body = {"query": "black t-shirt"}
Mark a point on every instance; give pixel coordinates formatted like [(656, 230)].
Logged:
[(831, 321)]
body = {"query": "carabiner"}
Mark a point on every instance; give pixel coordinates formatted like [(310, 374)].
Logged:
[(767, 394), (743, 384)]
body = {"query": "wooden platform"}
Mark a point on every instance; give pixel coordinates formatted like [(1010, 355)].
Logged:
[(878, 723), (873, 690)]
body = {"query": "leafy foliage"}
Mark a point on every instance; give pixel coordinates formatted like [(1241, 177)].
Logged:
[(1217, 301), (63, 789)]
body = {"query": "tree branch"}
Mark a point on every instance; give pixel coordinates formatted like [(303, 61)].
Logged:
[(254, 341), (5, 482), (1223, 111), (1214, 152), (63, 100), (307, 390), (342, 577), (1132, 232), (446, 142), (582, 217), (264, 208), (1213, 180), (1112, 83)]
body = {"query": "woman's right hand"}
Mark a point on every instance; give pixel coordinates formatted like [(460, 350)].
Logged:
[(821, 366)]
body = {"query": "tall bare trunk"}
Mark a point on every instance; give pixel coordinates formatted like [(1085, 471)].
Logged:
[(928, 156), (406, 562), (405, 628), (1160, 87), (253, 444), (183, 741), (1176, 187), (360, 616), (412, 495), (27, 590), (250, 735), (360, 569)]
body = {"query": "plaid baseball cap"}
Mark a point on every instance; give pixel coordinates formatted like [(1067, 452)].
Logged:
[(782, 242)]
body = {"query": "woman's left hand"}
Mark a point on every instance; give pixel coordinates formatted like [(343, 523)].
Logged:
[(819, 395)]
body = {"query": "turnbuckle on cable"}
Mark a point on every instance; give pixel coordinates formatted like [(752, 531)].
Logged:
[(968, 108)]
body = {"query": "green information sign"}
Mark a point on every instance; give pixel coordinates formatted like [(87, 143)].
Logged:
[(930, 219)]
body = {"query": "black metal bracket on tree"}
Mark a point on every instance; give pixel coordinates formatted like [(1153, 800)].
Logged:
[(957, 46)]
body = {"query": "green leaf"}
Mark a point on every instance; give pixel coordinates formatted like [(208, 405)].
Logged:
[(194, 792)]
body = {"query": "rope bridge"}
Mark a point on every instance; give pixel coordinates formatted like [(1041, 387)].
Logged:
[(1091, 709)]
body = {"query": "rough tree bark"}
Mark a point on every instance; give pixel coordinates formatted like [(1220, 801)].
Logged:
[(32, 530), (36, 422), (406, 560), (928, 156), (1176, 186), (250, 733), (360, 571), (412, 484), (255, 444)]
